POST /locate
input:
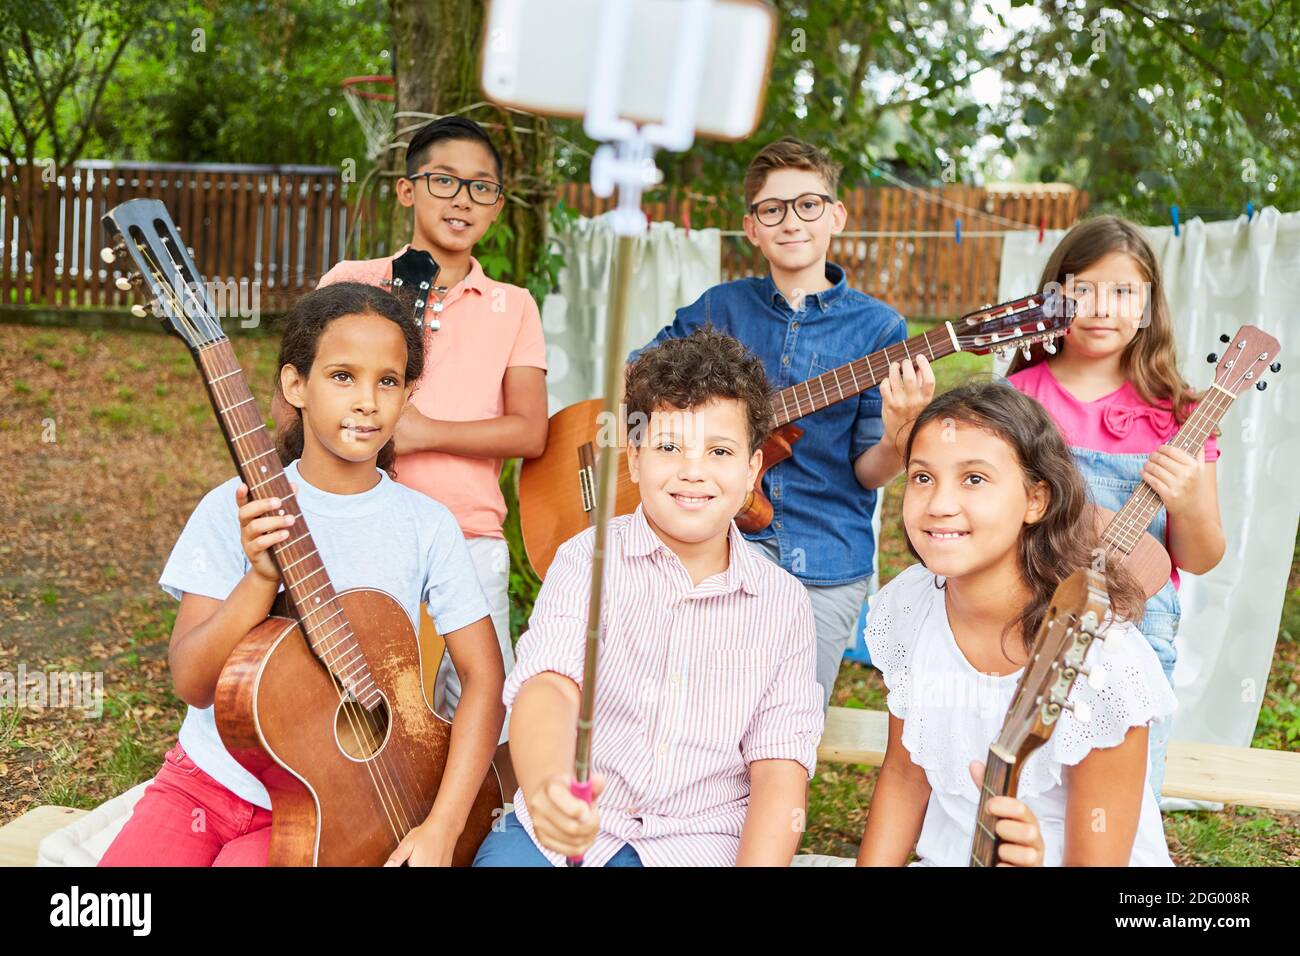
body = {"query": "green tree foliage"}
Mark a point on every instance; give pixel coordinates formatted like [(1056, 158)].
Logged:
[(246, 81), (1147, 105)]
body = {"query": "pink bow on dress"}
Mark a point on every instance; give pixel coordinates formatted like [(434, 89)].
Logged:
[(1119, 419)]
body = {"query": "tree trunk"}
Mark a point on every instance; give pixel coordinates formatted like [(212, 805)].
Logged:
[(436, 56)]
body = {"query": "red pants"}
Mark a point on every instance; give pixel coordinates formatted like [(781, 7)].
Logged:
[(186, 818)]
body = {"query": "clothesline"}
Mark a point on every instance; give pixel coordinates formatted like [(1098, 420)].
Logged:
[(919, 234)]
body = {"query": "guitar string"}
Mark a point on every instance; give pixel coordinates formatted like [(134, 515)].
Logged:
[(1127, 523), (1128, 529), (877, 365), (384, 789)]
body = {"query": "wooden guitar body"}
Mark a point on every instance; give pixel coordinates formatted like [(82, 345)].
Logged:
[(757, 511), (341, 797), (1148, 561), (557, 490)]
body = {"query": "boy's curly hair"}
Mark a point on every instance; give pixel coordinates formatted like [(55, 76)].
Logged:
[(694, 370)]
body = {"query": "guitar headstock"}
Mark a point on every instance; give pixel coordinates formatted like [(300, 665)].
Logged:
[(1016, 325), (143, 231), (413, 274), (1072, 624), (1248, 355)]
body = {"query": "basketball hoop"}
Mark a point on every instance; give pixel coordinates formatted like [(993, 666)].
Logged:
[(371, 100)]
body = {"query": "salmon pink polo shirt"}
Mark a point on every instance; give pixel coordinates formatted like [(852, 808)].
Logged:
[(486, 328)]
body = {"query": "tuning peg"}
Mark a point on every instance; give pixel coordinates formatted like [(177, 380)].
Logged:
[(139, 311), (1024, 350), (1082, 712), (1275, 367), (127, 282), (1212, 357), (1049, 347), (1261, 385), (433, 325), (107, 255), (1096, 675), (1225, 337)]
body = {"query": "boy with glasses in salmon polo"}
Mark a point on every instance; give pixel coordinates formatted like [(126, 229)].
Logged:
[(482, 397)]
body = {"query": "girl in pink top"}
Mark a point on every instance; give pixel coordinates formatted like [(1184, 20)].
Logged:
[(1114, 390)]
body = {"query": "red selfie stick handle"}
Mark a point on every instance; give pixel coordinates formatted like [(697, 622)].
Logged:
[(583, 792)]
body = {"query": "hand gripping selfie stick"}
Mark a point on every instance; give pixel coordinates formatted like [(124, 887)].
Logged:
[(625, 162), (628, 166)]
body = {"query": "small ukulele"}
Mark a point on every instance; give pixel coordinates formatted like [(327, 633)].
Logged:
[(1070, 627), (557, 491), (325, 704), (1250, 353)]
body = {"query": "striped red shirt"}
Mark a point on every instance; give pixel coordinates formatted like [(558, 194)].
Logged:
[(694, 682)]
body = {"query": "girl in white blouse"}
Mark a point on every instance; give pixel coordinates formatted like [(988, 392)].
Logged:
[(994, 509)]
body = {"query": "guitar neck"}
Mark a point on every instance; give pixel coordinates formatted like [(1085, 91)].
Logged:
[(1131, 521), (310, 593), (999, 781), (852, 379)]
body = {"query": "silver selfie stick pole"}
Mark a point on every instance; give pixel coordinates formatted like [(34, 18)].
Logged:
[(628, 166)]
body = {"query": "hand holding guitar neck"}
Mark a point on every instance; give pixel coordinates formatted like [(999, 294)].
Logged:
[(1060, 650), (1249, 355)]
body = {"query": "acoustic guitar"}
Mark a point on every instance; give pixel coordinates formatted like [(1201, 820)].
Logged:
[(1070, 627), (1127, 543), (323, 703), (557, 491)]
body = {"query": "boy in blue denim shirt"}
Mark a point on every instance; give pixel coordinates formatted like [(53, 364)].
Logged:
[(802, 319)]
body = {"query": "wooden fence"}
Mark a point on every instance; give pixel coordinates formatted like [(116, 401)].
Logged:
[(900, 243), (276, 229), (279, 227)]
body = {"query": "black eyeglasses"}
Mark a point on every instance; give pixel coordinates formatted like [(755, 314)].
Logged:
[(445, 186), (808, 207)]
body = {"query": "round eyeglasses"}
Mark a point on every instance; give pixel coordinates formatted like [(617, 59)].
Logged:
[(808, 207), (445, 186)]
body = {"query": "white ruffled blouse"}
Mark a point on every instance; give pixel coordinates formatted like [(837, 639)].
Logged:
[(951, 713)]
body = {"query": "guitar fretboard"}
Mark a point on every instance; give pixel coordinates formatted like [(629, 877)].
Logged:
[(1131, 521), (311, 595), (997, 783), (852, 379)]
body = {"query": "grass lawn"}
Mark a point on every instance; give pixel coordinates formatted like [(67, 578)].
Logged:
[(109, 441)]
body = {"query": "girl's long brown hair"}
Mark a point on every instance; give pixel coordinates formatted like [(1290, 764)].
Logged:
[(1149, 361), (303, 328), (1065, 538)]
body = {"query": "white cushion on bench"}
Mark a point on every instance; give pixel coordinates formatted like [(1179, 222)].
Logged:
[(83, 843)]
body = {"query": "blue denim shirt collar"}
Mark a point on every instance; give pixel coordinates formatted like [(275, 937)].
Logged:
[(824, 299)]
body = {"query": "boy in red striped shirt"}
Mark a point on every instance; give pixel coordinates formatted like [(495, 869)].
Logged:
[(708, 712)]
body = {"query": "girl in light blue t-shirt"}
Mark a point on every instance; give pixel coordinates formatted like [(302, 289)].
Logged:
[(349, 358)]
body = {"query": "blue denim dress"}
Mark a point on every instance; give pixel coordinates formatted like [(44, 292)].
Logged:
[(1111, 479)]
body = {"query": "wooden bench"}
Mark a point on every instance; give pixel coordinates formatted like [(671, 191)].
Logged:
[(1246, 776), (1237, 775)]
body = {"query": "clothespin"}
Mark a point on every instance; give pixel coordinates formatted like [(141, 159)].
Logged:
[(1173, 211), (957, 229), (1250, 210), (686, 217), (1040, 229)]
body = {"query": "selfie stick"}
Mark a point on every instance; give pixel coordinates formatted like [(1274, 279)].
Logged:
[(627, 165)]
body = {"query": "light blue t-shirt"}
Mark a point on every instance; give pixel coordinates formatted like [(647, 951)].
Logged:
[(391, 538)]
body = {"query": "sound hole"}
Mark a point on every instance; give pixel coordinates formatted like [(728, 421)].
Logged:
[(361, 733)]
